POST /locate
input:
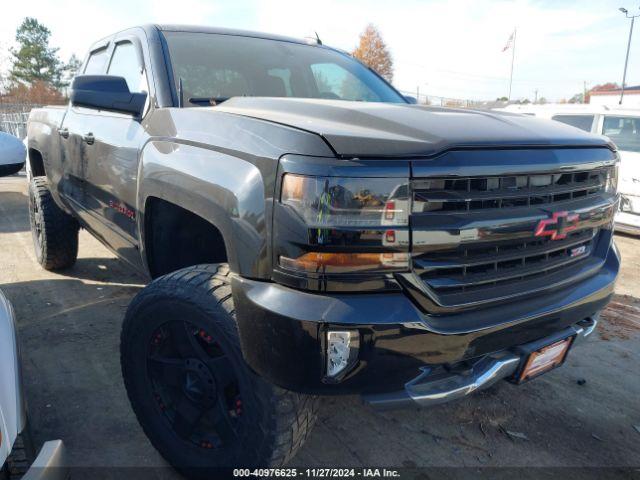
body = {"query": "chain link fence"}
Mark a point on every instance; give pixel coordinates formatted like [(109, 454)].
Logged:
[(13, 118), (14, 123), (437, 101)]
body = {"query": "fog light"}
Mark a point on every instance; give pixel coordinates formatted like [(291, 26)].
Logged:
[(342, 351)]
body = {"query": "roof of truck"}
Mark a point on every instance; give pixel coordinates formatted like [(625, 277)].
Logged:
[(231, 31)]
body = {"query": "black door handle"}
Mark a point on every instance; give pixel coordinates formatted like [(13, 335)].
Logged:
[(63, 132), (89, 138)]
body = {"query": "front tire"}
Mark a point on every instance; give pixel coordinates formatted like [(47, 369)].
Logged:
[(195, 397), (54, 232)]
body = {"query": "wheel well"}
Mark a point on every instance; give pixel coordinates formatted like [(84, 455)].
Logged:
[(176, 238), (36, 163)]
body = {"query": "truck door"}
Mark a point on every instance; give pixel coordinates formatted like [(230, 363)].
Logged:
[(74, 149), (111, 170)]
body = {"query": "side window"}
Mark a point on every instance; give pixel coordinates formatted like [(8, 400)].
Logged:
[(583, 122), (124, 63), (624, 131), (335, 82), (96, 63)]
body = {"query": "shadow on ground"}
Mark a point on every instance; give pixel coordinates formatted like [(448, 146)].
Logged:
[(107, 269), (69, 331), (13, 207)]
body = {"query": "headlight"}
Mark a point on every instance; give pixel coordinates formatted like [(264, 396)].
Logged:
[(347, 202), (611, 182), (337, 225)]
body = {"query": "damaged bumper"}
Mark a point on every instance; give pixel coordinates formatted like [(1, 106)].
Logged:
[(432, 387)]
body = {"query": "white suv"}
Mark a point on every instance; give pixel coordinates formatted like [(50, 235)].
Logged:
[(622, 126)]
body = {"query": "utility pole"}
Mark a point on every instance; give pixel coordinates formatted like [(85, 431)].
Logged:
[(584, 91), (418, 93), (536, 99), (626, 60), (513, 56)]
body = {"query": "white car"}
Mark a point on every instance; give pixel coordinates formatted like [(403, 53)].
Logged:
[(16, 449), (622, 126)]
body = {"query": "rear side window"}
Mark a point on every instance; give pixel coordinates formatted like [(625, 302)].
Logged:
[(125, 63), (624, 131), (583, 122), (96, 63)]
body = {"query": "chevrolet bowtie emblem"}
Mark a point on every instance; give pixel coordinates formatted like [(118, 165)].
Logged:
[(557, 226)]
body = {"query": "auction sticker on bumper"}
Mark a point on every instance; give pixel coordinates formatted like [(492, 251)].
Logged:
[(546, 359)]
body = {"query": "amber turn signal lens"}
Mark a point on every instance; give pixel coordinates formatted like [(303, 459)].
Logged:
[(321, 262)]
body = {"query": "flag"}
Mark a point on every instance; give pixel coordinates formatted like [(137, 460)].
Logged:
[(509, 42)]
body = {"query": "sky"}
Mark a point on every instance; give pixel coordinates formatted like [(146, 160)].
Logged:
[(443, 48)]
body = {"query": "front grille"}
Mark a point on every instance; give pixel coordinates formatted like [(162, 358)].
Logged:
[(495, 192), (489, 268)]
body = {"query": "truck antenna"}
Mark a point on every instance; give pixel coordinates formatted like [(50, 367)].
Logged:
[(318, 38), (180, 93)]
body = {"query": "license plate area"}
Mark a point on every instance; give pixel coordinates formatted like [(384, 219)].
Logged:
[(540, 359)]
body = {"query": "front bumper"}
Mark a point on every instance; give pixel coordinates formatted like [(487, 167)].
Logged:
[(628, 216), (627, 222), (50, 463), (283, 331), (431, 388)]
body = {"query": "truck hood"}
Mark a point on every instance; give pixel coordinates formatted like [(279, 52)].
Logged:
[(363, 129)]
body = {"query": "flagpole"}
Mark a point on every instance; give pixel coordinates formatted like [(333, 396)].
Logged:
[(513, 56)]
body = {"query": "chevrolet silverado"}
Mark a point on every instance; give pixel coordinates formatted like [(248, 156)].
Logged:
[(309, 231)]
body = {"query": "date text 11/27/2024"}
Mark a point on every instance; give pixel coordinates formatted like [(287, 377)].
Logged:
[(318, 472)]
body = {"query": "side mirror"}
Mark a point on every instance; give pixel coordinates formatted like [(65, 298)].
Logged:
[(106, 92), (12, 155), (411, 100)]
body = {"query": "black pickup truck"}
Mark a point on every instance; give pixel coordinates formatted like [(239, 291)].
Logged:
[(311, 232)]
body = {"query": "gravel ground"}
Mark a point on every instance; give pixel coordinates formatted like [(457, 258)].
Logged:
[(585, 414)]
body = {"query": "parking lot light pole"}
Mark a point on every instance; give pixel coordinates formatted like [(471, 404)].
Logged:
[(626, 60)]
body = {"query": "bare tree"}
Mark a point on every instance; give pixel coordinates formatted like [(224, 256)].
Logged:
[(373, 52)]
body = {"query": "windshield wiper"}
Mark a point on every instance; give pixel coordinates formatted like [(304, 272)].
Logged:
[(209, 101)]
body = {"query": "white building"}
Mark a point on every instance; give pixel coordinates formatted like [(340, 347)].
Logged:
[(611, 98)]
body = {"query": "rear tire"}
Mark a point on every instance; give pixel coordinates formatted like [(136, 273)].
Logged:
[(55, 233), (180, 332)]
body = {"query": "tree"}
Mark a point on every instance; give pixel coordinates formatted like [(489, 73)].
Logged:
[(37, 93), (605, 87), (373, 52), (601, 88), (577, 98), (34, 60), (70, 70)]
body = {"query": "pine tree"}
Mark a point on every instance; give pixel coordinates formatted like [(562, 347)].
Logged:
[(373, 52), (70, 70), (34, 60)]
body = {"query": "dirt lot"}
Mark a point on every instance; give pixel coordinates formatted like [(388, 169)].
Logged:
[(69, 325)]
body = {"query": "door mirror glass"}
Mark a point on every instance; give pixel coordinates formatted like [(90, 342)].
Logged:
[(12, 154), (106, 92)]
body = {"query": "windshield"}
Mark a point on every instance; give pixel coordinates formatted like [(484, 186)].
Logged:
[(623, 131), (583, 122), (214, 67)]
